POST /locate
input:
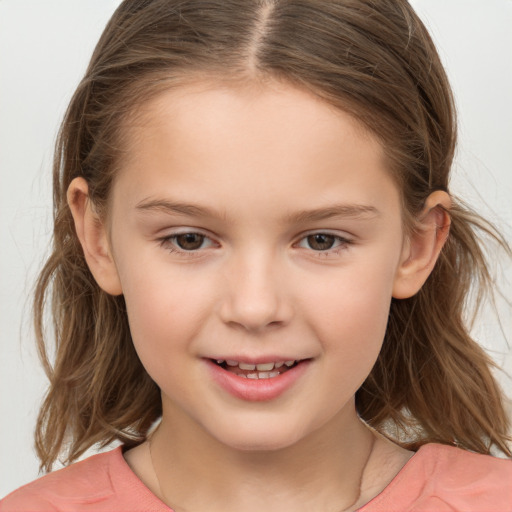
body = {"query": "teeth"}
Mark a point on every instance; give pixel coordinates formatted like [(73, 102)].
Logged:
[(265, 367), (259, 375), (244, 366), (261, 367)]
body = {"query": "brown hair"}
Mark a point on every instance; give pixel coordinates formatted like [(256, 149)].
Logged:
[(375, 60)]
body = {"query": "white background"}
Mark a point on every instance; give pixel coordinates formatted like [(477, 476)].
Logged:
[(44, 49)]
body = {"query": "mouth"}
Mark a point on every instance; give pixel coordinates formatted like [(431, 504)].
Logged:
[(258, 381), (258, 371)]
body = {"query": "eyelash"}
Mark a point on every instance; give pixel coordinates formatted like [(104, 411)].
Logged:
[(342, 244), (170, 244)]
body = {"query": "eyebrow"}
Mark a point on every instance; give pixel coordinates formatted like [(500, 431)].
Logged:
[(354, 211), (166, 206)]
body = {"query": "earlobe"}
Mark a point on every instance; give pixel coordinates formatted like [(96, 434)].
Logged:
[(423, 246), (93, 237)]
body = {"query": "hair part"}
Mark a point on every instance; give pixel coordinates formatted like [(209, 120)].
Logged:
[(374, 60)]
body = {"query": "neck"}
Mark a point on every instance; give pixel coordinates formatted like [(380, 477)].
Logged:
[(323, 471)]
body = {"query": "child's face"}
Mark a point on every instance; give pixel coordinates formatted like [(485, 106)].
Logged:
[(294, 241)]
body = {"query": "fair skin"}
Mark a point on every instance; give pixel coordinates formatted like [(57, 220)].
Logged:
[(295, 248)]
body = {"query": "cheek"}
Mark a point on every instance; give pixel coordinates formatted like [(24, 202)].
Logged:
[(350, 311), (165, 309), (162, 323)]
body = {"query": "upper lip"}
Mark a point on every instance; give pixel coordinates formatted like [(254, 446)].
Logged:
[(257, 360)]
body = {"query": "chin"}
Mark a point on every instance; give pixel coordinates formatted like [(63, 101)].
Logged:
[(263, 438)]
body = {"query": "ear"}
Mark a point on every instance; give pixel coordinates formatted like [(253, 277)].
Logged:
[(93, 237), (423, 246)]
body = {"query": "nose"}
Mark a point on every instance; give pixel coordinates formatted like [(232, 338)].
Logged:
[(256, 298)]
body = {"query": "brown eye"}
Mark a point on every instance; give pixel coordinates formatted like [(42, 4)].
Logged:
[(189, 241), (321, 241)]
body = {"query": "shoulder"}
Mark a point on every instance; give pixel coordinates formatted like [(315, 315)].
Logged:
[(97, 483), (462, 464), (457, 469), (86, 481), (444, 478)]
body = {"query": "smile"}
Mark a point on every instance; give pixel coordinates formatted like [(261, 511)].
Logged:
[(256, 371), (257, 382)]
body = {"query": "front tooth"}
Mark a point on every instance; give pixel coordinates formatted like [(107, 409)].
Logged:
[(279, 364), (244, 366), (263, 375), (265, 367), (289, 363), (252, 375), (273, 374), (231, 363)]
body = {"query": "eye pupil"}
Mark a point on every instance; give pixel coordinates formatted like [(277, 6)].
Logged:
[(321, 241), (190, 241)]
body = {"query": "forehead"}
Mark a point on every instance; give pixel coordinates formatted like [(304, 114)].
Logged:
[(271, 141), (259, 105)]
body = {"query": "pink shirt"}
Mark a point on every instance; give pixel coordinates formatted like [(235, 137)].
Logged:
[(436, 479)]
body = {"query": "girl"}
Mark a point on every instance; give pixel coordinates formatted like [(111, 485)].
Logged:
[(259, 275)]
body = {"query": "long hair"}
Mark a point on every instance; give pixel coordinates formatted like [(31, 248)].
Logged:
[(374, 60)]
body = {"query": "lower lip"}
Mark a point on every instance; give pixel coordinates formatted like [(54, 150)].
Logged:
[(256, 390)]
